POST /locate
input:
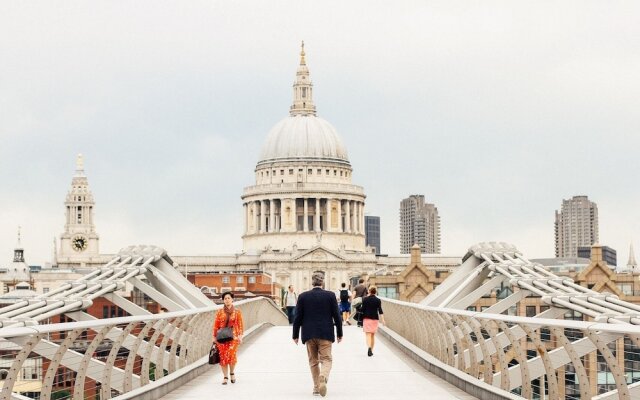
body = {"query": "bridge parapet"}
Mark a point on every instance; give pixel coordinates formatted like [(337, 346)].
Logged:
[(521, 355), (111, 358)]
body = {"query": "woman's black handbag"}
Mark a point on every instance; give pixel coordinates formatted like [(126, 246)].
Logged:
[(214, 355), (224, 334)]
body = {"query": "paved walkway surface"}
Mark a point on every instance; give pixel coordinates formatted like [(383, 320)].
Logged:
[(271, 366)]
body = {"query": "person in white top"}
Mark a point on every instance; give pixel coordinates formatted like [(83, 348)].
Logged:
[(290, 301), (344, 297)]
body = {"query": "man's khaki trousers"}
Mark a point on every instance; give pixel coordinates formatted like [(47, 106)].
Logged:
[(319, 352)]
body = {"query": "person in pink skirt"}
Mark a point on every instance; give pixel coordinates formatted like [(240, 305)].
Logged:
[(371, 314)]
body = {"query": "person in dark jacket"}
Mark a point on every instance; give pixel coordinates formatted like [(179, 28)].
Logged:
[(371, 314), (317, 313), (360, 291)]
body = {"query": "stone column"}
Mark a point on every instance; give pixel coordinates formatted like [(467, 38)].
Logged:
[(305, 222), (316, 224), (362, 217), (263, 216), (255, 216), (339, 215), (279, 222), (357, 217), (347, 217), (272, 215), (245, 208), (328, 216)]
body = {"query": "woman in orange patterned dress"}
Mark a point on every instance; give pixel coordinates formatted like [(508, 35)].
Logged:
[(228, 351)]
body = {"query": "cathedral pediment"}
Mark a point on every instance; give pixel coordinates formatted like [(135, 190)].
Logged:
[(319, 253)]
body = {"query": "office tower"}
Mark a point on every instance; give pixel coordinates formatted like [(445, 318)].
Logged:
[(609, 255), (419, 224), (576, 225), (372, 232)]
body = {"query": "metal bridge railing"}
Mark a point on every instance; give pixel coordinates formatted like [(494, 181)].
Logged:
[(538, 357), (106, 358)]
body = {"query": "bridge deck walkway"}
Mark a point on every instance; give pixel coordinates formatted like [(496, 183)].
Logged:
[(271, 366)]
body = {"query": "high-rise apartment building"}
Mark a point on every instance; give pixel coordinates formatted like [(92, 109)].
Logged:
[(419, 224), (576, 225), (372, 232)]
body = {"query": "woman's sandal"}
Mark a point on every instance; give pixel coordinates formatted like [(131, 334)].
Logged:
[(233, 377), (224, 381)]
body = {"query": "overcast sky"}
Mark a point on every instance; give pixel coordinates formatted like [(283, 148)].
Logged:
[(495, 111)]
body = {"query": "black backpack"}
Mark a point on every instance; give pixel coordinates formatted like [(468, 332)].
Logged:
[(344, 295)]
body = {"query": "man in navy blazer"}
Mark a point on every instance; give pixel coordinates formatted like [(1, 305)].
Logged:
[(317, 314)]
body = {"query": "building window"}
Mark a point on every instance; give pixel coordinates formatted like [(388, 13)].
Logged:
[(291, 172), (239, 279), (252, 279), (626, 288), (471, 308), (309, 171), (267, 173), (45, 290), (327, 172), (281, 172), (388, 292), (335, 173), (319, 171), (531, 311), (225, 279), (341, 173)]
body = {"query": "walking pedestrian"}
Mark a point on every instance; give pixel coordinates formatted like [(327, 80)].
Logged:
[(290, 300), (317, 314), (228, 316), (359, 292), (371, 313), (345, 303)]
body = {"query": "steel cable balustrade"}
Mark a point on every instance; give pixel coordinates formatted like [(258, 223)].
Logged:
[(109, 358), (526, 356)]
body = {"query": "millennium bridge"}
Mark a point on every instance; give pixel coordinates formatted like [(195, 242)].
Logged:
[(432, 350)]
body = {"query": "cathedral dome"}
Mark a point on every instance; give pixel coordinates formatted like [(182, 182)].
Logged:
[(303, 137)]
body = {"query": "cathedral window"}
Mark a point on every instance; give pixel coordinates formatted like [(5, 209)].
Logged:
[(327, 172), (304, 92), (309, 171), (335, 172), (319, 171), (291, 172), (267, 173), (340, 173), (281, 172)]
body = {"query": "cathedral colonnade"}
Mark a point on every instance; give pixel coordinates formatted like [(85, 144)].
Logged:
[(303, 214)]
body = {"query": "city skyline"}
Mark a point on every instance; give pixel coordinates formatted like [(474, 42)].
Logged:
[(491, 123)]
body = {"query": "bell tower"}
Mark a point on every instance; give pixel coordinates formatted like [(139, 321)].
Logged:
[(79, 241)]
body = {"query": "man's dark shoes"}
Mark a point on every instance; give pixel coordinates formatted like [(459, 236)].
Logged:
[(369, 352)]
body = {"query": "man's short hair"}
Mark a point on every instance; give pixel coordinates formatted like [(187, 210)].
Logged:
[(317, 279), (361, 280), (344, 284)]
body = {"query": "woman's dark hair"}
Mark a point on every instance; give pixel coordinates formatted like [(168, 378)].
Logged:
[(373, 290), (227, 293)]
